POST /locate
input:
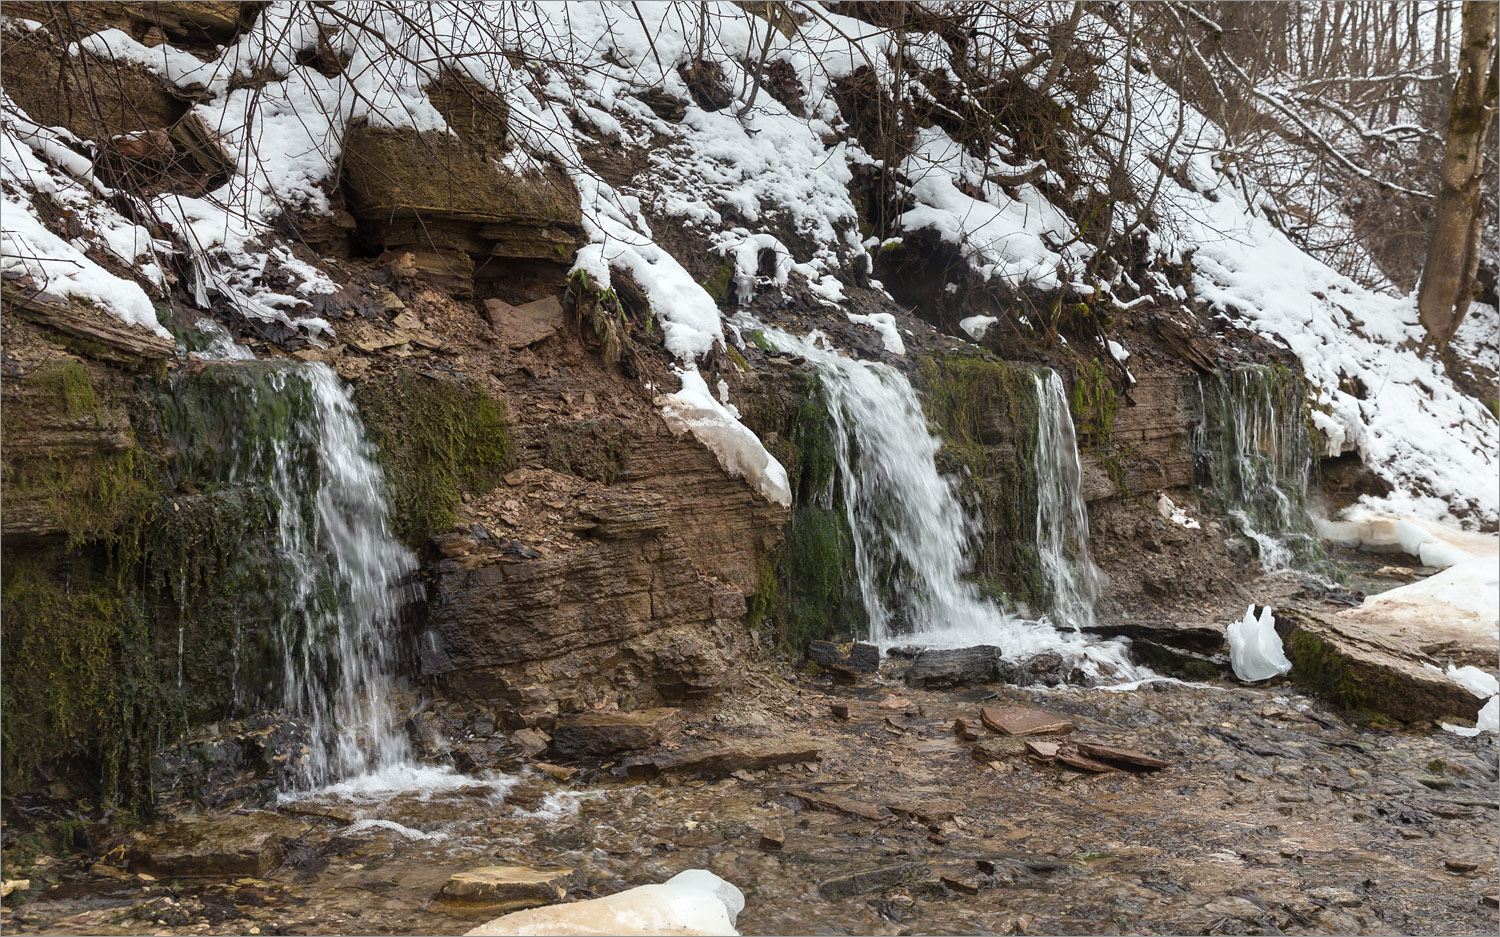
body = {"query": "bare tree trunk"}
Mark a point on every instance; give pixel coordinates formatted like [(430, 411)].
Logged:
[(1453, 253), (1060, 48)]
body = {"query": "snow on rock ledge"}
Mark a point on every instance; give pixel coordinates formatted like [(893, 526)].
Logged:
[(740, 452)]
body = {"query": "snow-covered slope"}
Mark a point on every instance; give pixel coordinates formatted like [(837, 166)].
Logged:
[(748, 177)]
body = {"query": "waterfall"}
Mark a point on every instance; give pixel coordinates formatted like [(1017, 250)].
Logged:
[(1253, 453), (339, 582), (1062, 521), (912, 534)]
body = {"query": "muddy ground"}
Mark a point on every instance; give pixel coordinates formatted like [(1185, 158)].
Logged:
[(1275, 816)]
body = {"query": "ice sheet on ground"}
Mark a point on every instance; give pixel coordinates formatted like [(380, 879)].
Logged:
[(1255, 650), (692, 902)]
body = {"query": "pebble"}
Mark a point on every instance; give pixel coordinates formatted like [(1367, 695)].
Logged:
[(1459, 865)]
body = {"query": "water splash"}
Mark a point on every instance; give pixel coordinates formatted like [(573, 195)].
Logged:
[(1071, 579), (912, 534)]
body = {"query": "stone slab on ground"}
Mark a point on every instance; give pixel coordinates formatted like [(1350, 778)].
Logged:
[(1371, 660), (600, 734), (870, 880), (724, 757), (1020, 720), (507, 887), (227, 846)]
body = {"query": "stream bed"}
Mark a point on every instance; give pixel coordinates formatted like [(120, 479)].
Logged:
[(1275, 815)]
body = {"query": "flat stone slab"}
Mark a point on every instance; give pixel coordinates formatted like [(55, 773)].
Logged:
[(1019, 720), (507, 887), (836, 804), (599, 734), (231, 846), (1385, 658), (1125, 756), (726, 756)]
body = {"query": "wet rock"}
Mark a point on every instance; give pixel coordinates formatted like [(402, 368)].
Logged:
[(497, 753), (726, 757), (1044, 670), (247, 761), (599, 734), (968, 666), (234, 845), (532, 742), (1019, 720), (872, 880), (772, 837), (961, 884), (507, 887), (848, 659), (1126, 756), (1371, 658), (836, 804)]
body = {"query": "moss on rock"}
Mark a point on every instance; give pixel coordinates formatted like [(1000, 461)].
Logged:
[(437, 438), (985, 410)]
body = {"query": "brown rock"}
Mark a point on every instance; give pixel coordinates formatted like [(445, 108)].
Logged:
[(1072, 759), (965, 729), (772, 837), (727, 757), (1459, 865), (507, 887), (1128, 756), (926, 811), (839, 710), (963, 885), (1043, 750), (599, 734), (517, 328), (836, 804), (1018, 720), (229, 846)]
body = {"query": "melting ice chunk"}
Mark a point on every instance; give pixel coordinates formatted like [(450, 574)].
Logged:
[(691, 902), (1255, 647)]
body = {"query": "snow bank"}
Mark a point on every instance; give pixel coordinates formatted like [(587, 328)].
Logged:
[(740, 452), (691, 902), (1432, 543)]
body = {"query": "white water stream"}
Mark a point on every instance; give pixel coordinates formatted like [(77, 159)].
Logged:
[(913, 536), (343, 577)]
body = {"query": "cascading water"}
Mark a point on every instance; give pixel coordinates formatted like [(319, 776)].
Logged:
[(1069, 575), (1254, 453), (912, 534), (340, 579)]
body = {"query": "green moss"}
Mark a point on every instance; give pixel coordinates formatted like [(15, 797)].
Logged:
[(817, 578), (69, 380), (80, 680), (720, 283), (1319, 667), (758, 338), (436, 439), (1093, 403), (985, 411)]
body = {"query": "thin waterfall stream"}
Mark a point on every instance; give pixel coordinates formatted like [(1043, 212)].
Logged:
[(341, 578), (913, 534)]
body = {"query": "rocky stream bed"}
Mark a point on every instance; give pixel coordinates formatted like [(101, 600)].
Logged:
[(1273, 815)]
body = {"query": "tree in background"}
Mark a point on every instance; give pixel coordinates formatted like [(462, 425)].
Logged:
[(1448, 279)]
